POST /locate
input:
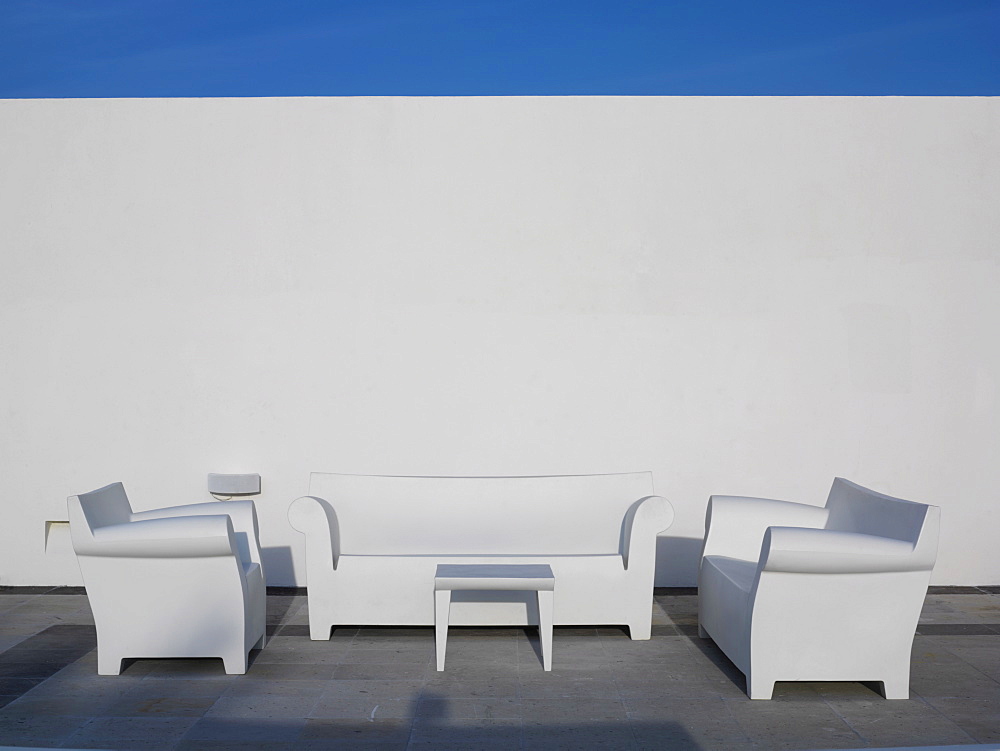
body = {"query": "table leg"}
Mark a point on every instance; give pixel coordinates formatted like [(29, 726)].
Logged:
[(545, 598), (442, 610)]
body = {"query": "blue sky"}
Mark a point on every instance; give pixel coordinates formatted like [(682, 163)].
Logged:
[(165, 48)]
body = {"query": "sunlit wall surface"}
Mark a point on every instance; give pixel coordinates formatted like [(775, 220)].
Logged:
[(743, 295)]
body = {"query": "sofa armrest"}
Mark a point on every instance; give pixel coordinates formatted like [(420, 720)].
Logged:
[(735, 525), (317, 520), (178, 537), (242, 513), (644, 520), (822, 551)]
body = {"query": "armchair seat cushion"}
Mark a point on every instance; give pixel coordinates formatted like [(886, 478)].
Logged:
[(732, 573)]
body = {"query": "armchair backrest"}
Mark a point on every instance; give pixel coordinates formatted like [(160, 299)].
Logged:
[(854, 508), (98, 508)]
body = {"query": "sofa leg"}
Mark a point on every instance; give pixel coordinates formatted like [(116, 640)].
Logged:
[(702, 633), (320, 631), (759, 688), (108, 663), (896, 688), (259, 644)]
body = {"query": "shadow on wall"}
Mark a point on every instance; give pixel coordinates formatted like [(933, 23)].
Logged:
[(278, 567), (677, 561)]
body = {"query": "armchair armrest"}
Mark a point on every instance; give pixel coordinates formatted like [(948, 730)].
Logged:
[(735, 525), (242, 513), (825, 551), (645, 519), (317, 520), (179, 537)]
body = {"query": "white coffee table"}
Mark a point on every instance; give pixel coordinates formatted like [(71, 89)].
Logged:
[(494, 576)]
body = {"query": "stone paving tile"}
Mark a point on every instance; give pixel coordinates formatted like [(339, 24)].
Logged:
[(685, 723), (573, 710), (265, 705), (416, 654), (960, 681), (358, 699), (194, 687), (469, 669), (894, 723), (292, 655), (130, 733), (38, 670), (549, 736), (979, 718), (37, 730), (433, 707), (558, 687), (359, 732), (485, 685), (394, 671), (132, 705), (60, 657), (363, 708), (461, 734), (275, 688), (93, 685), (17, 686), (10, 627), (981, 652), (283, 671), (794, 724), (78, 705), (217, 745), (11, 602), (257, 730)]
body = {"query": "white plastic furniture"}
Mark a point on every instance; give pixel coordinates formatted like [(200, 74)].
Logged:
[(184, 581), (492, 577), (372, 545), (793, 592)]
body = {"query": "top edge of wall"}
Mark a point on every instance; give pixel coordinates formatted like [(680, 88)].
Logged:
[(502, 96)]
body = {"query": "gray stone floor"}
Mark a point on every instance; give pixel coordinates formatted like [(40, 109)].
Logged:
[(376, 688)]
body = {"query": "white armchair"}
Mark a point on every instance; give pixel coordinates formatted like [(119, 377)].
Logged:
[(792, 592), (184, 581)]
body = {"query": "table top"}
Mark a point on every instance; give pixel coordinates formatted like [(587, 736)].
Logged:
[(537, 576)]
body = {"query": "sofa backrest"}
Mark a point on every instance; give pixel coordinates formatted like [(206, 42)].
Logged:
[(854, 508), (554, 515)]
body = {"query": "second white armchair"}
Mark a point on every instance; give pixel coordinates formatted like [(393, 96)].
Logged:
[(792, 592)]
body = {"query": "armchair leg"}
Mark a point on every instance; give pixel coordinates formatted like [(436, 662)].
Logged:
[(259, 644), (235, 664), (640, 629), (702, 633), (758, 687), (108, 663)]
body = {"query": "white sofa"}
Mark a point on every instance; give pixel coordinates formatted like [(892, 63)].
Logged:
[(373, 544), (792, 592), (183, 581)]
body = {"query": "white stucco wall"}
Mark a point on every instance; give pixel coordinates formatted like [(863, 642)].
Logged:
[(743, 295)]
